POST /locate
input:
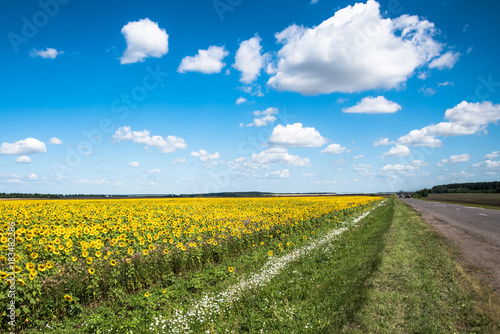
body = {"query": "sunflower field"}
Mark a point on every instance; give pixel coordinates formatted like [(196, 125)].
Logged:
[(73, 253)]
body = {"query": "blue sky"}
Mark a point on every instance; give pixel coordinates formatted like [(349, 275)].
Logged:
[(203, 96)]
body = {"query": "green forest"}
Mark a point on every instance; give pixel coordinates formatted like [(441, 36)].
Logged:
[(473, 187)]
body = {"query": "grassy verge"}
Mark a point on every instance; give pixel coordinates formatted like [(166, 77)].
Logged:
[(420, 287)]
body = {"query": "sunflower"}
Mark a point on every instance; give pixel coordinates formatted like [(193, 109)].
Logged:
[(68, 298), (74, 258), (91, 271), (98, 254), (112, 262), (270, 253), (230, 269), (145, 252), (146, 294), (41, 267), (165, 251), (89, 260)]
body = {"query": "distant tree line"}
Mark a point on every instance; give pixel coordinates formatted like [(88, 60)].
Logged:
[(475, 187), (21, 195), (58, 196)]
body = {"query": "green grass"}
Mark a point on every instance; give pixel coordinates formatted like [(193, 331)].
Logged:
[(389, 274), (421, 288), (487, 201)]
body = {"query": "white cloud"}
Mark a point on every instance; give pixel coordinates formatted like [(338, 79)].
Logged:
[(454, 159), (419, 163), (268, 111), (248, 167), (144, 39), (249, 60), (488, 164), (165, 145), (427, 91), (464, 119), (308, 174), (156, 170), (178, 161), (22, 147), (241, 100), (373, 105), (362, 169), (284, 174), (205, 156), (55, 141), (32, 176), (490, 173), (492, 155), (354, 50), (263, 121), (296, 135), (210, 159), (206, 61), (448, 60), (397, 151), (334, 149), (358, 157), (423, 75), (279, 155), (23, 159), (382, 142), (399, 168), (47, 53), (267, 117), (446, 83), (134, 164)]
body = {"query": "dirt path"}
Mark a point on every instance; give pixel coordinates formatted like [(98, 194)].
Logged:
[(476, 231)]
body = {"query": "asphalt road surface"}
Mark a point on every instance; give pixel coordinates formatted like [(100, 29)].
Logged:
[(475, 230)]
